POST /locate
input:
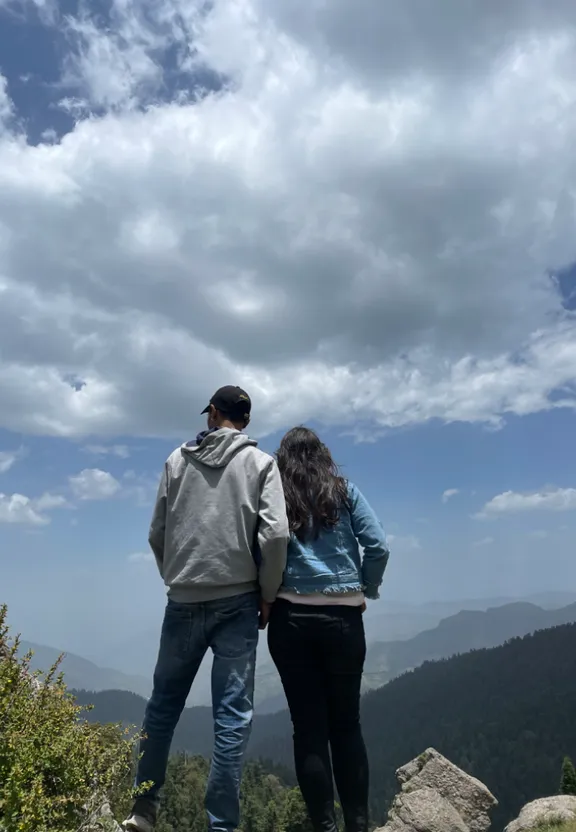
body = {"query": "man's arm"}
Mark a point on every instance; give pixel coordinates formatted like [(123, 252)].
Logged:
[(273, 534), (370, 535), (158, 524)]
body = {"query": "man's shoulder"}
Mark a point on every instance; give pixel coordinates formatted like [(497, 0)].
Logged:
[(175, 457), (261, 458)]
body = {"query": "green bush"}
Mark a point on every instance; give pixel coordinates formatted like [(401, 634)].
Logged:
[(56, 769)]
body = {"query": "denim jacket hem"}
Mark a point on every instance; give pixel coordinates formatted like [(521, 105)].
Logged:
[(333, 589)]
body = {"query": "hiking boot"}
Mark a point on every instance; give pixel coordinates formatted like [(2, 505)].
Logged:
[(142, 818)]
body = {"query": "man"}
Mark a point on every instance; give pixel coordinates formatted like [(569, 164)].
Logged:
[(219, 534)]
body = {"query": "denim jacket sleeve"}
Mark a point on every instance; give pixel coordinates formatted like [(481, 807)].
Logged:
[(371, 537)]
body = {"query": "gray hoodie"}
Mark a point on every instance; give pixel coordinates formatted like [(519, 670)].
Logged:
[(220, 510)]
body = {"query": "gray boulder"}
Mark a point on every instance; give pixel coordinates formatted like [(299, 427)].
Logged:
[(471, 799), (547, 810), (437, 796), (423, 811)]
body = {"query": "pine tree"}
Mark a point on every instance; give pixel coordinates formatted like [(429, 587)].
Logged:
[(295, 814), (568, 780)]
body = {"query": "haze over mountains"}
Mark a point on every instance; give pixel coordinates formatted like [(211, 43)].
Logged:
[(394, 621), (134, 651), (449, 628)]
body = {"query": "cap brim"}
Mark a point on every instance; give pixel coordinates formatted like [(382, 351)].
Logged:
[(206, 410)]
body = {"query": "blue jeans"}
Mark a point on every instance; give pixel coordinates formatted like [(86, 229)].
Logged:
[(229, 627)]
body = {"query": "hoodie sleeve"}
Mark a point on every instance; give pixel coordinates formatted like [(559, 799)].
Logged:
[(158, 524), (273, 533), (371, 537)]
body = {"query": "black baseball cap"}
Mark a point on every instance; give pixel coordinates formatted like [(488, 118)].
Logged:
[(232, 401)]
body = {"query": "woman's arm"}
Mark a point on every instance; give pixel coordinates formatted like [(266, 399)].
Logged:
[(370, 535)]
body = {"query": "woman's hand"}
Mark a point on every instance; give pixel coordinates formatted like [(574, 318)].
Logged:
[(265, 610), (363, 608)]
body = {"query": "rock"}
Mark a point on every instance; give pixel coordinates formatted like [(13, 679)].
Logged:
[(471, 799), (102, 821), (437, 796), (423, 810), (554, 810)]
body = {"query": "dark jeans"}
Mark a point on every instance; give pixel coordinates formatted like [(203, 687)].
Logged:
[(230, 628), (319, 653)]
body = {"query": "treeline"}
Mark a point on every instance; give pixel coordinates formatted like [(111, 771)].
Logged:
[(266, 804)]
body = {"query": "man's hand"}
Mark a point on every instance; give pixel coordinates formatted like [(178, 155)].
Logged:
[(265, 610)]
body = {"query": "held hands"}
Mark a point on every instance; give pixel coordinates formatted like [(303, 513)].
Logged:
[(265, 610)]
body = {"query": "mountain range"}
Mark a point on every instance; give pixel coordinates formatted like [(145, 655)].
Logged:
[(81, 673), (395, 621), (466, 630)]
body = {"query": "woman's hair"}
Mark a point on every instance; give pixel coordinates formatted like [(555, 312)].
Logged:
[(315, 491)]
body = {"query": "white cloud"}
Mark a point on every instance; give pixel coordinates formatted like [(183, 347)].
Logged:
[(450, 492), (404, 543), (112, 66), (141, 557), (7, 460), (486, 541), (16, 508), (549, 499), (121, 451), (49, 502), (346, 224), (30, 511), (6, 106), (94, 484)]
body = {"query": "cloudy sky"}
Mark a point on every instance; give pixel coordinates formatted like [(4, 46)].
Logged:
[(362, 212)]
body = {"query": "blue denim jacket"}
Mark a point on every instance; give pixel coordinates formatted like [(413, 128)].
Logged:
[(332, 563)]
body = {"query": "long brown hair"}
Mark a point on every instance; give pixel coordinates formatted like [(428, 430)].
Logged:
[(314, 489)]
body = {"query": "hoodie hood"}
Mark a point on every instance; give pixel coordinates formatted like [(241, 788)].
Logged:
[(217, 447)]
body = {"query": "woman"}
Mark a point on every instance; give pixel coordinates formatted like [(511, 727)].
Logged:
[(316, 632)]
